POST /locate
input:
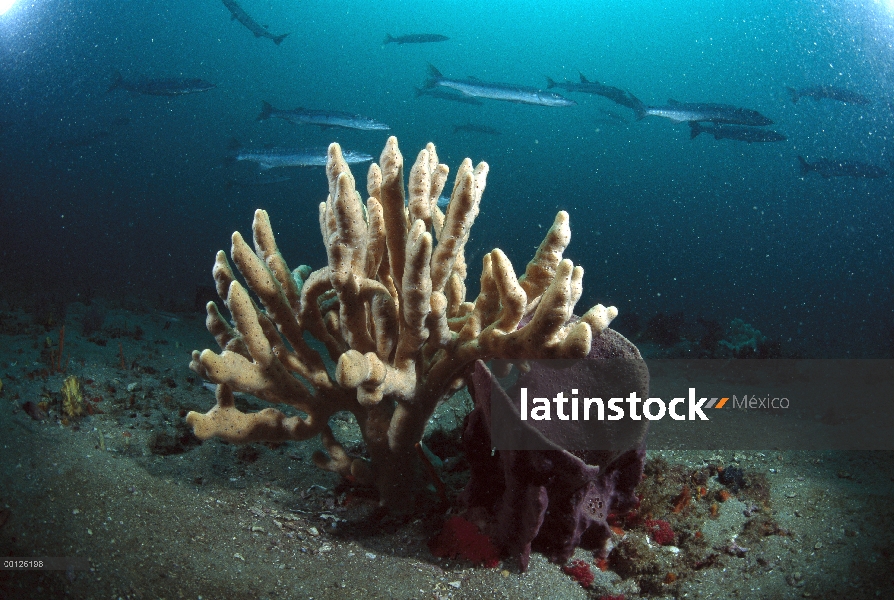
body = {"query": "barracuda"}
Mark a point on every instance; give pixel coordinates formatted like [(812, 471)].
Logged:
[(681, 112), (239, 14), (323, 118), (172, 86), (497, 91), (270, 158)]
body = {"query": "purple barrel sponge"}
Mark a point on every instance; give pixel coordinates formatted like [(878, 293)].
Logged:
[(554, 488)]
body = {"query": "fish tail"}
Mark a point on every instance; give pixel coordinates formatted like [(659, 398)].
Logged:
[(277, 39), (793, 93), (233, 147), (694, 129), (433, 76), (805, 166), (266, 111), (117, 81), (388, 39), (639, 108)]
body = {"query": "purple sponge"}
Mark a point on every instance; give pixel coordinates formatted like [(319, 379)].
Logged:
[(559, 496)]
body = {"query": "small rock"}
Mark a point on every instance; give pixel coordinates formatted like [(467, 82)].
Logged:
[(791, 495), (370, 555), (34, 411), (454, 584), (132, 387), (313, 531), (818, 545), (239, 556)]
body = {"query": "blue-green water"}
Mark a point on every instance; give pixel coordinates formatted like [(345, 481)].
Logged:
[(717, 229)]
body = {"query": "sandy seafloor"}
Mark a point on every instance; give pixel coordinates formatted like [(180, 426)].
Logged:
[(159, 515)]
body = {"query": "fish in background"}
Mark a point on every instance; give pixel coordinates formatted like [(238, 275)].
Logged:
[(616, 95), (262, 179), (681, 112), (476, 128), (415, 38), (841, 168), (91, 137), (323, 118), (507, 92), (445, 95), (171, 86), (741, 133), (239, 14), (611, 118), (270, 158), (832, 92)]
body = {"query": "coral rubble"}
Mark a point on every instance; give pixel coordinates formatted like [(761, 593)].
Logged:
[(390, 308)]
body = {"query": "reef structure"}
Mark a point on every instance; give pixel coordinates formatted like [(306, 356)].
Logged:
[(390, 308)]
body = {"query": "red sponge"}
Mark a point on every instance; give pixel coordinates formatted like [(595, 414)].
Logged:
[(460, 538)]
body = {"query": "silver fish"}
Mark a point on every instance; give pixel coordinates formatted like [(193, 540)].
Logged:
[(616, 95), (496, 91), (722, 131), (841, 168), (448, 95), (681, 112), (415, 38), (323, 118), (253, 26), (264, 179), (832, 92), (171, 86), (475, 128), (269, 158)]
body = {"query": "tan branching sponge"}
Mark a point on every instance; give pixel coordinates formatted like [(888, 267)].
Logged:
[(390, 308), (72, 397)]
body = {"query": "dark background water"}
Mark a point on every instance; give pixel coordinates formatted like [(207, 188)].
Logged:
[(661, 223)]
